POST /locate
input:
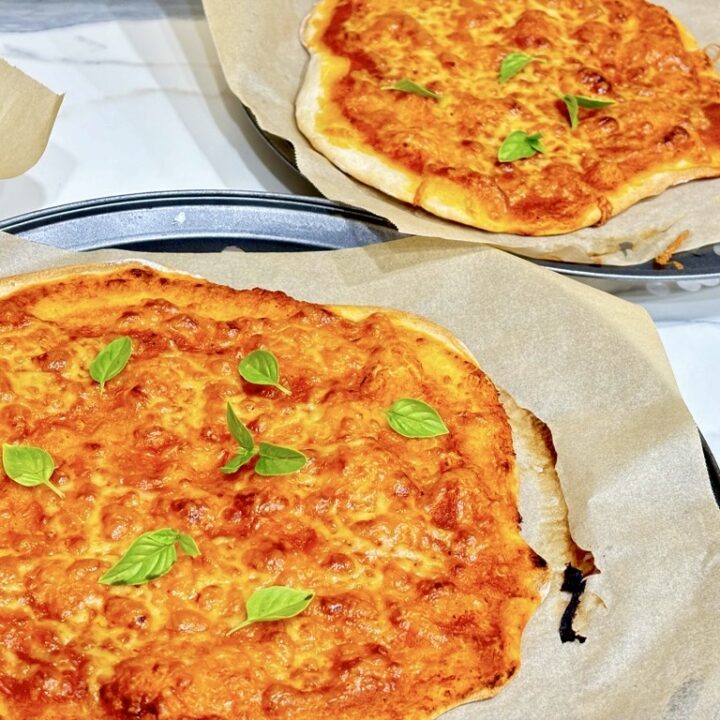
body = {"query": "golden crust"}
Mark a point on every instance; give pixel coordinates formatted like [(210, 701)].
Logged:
[(11, 283), (362, 164), (656, 184), (559, 192), (396, 577)]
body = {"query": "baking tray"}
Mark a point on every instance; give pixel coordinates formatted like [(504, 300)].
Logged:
[(701, 267), (203, 221), (210, 220)]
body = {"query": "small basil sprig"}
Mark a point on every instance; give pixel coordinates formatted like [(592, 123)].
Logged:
[(260, 367), (519, 145), (515, 63), (151, 556), (272, 460), (415, 419), (244, 439), (408, 86), (111, 360), (29, 466), (573, 103), (274, 603), (277, 460)]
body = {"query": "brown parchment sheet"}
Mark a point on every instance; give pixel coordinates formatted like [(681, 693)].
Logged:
[(264, 62), (593, 368), (27, 114)]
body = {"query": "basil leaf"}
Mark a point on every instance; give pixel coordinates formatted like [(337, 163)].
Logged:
[(111, 360), (408, 86), (149, 557), (277, 460), (415, 419), (261, 367), (188, 545), (274, 603), (235, 463), (518, 145), (592, 103), (573, 108), (514, 63), (29, 466), (238, 430), (573, 103)]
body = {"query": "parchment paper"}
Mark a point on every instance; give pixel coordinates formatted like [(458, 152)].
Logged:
[(593, 368), (27, 115), (264, 62)]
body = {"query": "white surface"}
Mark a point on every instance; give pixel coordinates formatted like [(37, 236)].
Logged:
[(147, 108)]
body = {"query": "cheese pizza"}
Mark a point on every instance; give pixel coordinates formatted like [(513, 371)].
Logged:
[(222, 504), (532, 117)]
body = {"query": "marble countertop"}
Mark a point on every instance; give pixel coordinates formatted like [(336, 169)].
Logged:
[(147, 108)]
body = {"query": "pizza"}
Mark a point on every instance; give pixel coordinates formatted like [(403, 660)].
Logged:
[(225, 504), (530, 118)]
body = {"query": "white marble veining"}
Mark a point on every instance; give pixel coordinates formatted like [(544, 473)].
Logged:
[(147, 108)]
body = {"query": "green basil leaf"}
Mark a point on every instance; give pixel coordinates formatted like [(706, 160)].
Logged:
[(111, 360), (514, 63), (519, 145), (573, 109), (536, 142), (592, 103), (238, 430), (408, 86), (235, 463), (415, 419), (151, 556), (277, 460), (188, 545), (573, 103), (261, 367), (274, 603), (29, 466)]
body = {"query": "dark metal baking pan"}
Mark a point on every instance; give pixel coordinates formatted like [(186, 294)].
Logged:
[(202, 221), (713, 469)]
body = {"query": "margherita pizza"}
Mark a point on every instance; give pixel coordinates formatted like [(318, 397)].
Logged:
[(222, 504), (534, 118)]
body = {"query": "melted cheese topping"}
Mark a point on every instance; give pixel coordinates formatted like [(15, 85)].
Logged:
[(423, 583), (666, 116)]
